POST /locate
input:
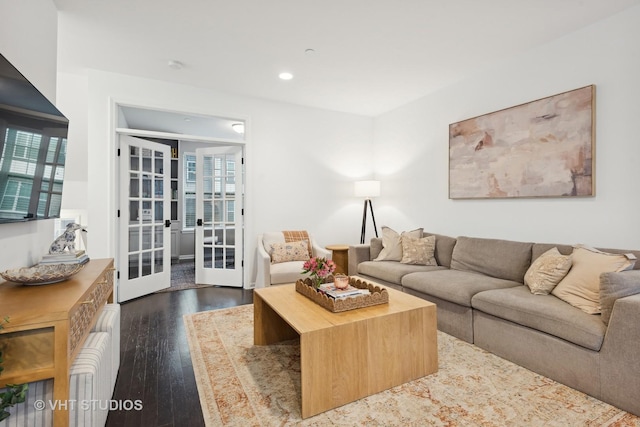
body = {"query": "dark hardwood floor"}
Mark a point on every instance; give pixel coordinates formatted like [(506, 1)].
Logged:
[(155, 364)]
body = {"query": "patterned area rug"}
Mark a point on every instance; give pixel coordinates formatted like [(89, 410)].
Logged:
[(245, 385)]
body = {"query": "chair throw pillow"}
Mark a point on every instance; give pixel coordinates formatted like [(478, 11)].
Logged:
[(289, 251), (391, 245), (581, 286), (614, 286), (418, 250), (547, 271)]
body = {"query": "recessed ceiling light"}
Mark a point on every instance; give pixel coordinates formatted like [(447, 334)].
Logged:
[(187, 119), (285, 76), (174, 64)]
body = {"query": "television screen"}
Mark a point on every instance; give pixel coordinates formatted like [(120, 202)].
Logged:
[(33, 147)]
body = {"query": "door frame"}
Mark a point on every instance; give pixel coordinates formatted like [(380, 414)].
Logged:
[(115, 193)]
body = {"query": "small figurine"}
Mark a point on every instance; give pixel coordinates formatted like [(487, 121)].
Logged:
[(66, 240)]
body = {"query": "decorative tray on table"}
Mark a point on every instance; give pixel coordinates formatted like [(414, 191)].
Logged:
[(41, 274), (377, 295)]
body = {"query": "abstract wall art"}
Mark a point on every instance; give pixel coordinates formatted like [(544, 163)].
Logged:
[(543, 148)]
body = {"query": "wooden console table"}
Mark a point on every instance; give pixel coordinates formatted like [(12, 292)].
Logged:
[(48, 325)]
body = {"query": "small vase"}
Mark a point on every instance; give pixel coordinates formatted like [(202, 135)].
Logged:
[(317, 281)]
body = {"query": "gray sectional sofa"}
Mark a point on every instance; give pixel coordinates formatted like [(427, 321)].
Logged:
[(478, 287)]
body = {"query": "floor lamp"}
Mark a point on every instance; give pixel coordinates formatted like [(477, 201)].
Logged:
[(368, 190)]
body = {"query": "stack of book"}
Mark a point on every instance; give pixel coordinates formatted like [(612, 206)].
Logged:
[(77, 257), (330, 290)]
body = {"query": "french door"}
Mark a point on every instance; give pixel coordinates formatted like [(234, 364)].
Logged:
[(219, 219), (144, 251)]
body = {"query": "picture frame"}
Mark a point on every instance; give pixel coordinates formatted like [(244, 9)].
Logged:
[(542, 148)]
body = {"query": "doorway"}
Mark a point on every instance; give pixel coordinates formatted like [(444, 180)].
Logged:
[(152, 124)]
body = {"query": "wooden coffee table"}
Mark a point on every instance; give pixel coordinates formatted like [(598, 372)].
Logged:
[(350, 355)]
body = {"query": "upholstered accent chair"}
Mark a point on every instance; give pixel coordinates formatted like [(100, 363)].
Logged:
[(281, 255)]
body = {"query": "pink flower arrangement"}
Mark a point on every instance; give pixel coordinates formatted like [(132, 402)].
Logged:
[(319, 269)]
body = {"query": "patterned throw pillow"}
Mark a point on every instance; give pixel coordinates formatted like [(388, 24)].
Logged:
[(547, 271), (391, 246), (289, 251), (418, 251), (581, 287)]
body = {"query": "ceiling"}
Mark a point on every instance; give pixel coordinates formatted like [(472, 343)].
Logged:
[(369, 56)]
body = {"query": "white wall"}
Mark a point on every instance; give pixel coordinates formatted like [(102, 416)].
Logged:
[(300, 162), (415, 136), (32, 49)]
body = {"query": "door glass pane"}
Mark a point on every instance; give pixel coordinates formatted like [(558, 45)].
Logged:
[(207, 261), (146, 186), (231, 236), (159, 166), (146, 160), (230, 255), (230, 189), (159, 241), (219, 238), (134, 185), (208, 236), (207, 187), (218, 211), (146, 211), (134, 264), (218, 188), (146, 238), (134, 158), (134, 239), (159, 188), (158, 211), (208, 214), (219, 262), (158, 262), (146, 263), (134, 208), (231, 211)]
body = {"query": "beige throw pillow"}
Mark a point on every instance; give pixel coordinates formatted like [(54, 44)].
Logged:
[(391, 245), (547, 271), (581, 286), (289, 251), (418, 251)]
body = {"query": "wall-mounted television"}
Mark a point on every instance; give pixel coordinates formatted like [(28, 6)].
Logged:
[(33, 148)]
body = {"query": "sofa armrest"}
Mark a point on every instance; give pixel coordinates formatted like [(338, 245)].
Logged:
[(319, 251), (620, 356), (614, 286), (358, 254), (263, 261)]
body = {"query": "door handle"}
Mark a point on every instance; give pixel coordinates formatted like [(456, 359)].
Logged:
[(167, 223), (199, 222)]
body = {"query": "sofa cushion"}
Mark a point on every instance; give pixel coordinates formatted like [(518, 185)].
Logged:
[(544, 313), (391, 271), (444, 248), (454, 285), (418, 250), (391, 245), (287, 272), (375, 247), (547, 271), (504, 259), (581, 287), (614, 286), (289, 251)]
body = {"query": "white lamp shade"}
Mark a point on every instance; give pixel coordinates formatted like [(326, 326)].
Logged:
[(367, 189)]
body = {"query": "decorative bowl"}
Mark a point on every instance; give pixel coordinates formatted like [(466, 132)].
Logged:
[(42, 274)]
